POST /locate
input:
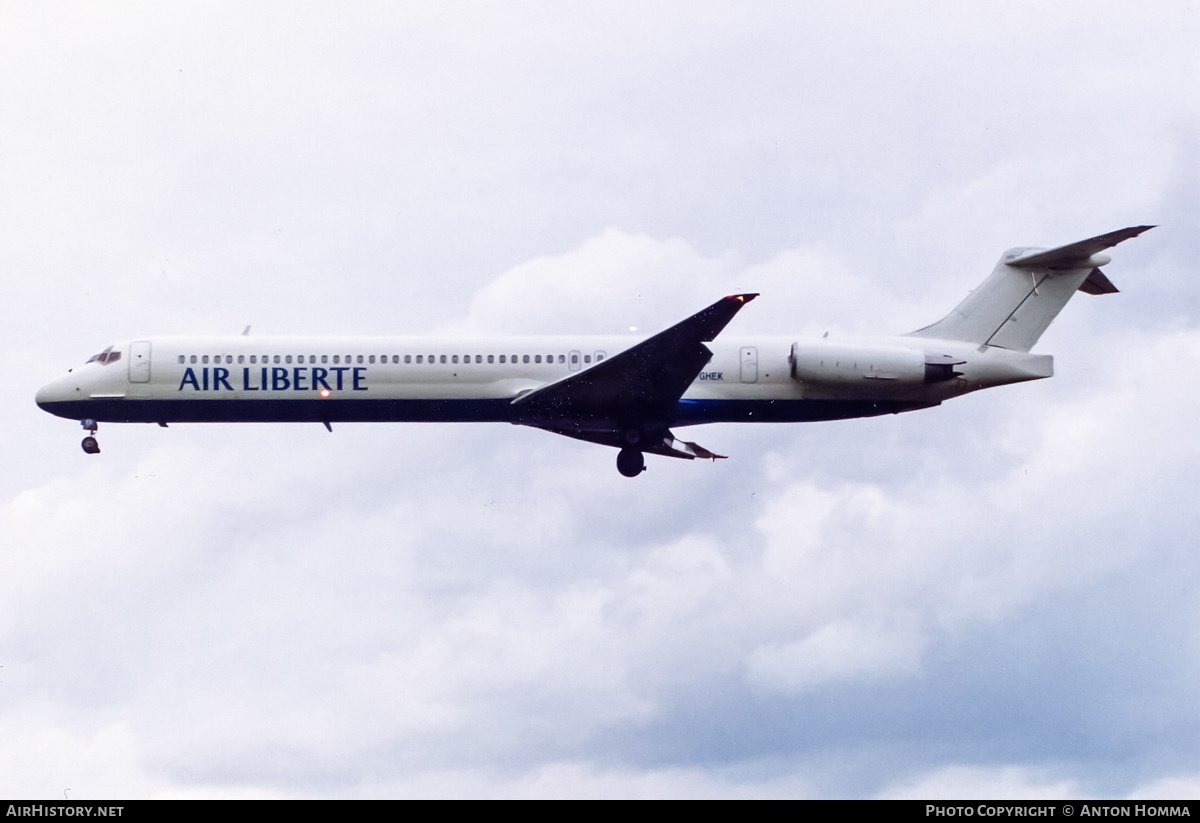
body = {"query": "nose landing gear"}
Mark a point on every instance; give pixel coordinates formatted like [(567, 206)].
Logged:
[(90, 446)]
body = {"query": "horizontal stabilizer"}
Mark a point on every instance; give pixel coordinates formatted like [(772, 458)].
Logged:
[(1075, 254)]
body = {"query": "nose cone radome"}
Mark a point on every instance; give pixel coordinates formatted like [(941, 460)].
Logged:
[(63, 390)]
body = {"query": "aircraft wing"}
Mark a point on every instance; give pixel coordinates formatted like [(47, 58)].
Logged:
[(1075, 254), (638, 387)]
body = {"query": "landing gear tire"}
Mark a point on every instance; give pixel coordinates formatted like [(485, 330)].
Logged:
[(631, 462), (90, 446)]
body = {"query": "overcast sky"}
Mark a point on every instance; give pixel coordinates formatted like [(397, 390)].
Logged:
[(997, 597)]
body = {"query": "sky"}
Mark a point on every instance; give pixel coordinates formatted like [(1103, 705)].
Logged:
[(998, 597)]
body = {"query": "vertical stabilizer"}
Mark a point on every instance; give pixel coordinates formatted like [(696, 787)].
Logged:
[(1026, 291)]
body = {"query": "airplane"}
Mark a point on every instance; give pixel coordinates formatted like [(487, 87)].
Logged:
[(615, 391)]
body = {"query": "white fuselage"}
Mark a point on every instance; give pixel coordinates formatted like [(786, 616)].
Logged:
[(324, 379)]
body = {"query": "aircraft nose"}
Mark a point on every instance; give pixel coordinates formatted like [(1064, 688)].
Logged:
[(56, 391), (43, 397)]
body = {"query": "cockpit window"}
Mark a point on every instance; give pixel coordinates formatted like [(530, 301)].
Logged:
[(107, 356)]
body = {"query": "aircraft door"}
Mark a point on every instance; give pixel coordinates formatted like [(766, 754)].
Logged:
[(139, 362), (749, 364)]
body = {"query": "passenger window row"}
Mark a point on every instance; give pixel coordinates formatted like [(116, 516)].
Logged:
[(253, 359)]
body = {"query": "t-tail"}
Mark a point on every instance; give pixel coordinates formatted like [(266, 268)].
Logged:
[(1026, 291)]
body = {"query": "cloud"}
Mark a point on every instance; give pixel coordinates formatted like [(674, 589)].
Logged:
[(614, 278), (836, 651), (1000, 783), (1185, 787), (617, 281)]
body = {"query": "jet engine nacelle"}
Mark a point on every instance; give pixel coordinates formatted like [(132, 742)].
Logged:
[(864, 365)]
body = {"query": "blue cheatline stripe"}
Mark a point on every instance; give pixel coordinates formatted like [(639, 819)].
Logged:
[(687, 412), (694, 412)]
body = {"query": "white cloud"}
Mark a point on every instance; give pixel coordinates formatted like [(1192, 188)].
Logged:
[(974, 782), (961, 782), (879, 572), (1183, 787), (838, 651), (616, 279)]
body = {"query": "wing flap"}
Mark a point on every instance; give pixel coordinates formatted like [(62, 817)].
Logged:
[(664, 443)]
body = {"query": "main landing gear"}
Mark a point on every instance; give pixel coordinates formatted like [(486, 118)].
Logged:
[(631, 462), (90, 446)]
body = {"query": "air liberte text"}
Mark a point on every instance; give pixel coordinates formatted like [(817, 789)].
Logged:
[(304, 378)]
